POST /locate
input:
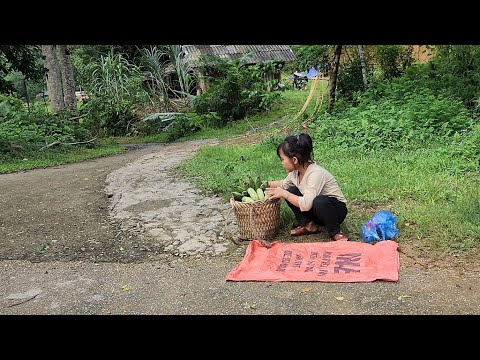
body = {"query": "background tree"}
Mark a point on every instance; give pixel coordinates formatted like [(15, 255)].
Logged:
[(54, 78), (308, 56), (393, 60), (21, 58), (332, 81), (456, 69), (68, 83), (355, 72), (361, 55)]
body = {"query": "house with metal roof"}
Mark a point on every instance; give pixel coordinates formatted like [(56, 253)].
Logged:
[(259, 53)]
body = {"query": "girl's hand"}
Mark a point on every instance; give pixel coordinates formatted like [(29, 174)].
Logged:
[(274, 192)]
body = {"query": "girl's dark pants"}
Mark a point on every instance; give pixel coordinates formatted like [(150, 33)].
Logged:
[(326, 211)]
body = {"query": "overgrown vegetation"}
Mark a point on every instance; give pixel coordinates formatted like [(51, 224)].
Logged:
[(34, 137), (236, 90), (308, 56), (406, 114)]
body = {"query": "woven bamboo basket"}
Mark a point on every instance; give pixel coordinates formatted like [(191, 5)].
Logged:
[(257, 220)]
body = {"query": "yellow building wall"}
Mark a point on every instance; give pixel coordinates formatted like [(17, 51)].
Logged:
[(422, 53)]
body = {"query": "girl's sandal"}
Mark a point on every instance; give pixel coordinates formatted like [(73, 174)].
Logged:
[(266, 243), (340, 237)]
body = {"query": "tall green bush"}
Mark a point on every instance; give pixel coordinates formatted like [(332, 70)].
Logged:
[(116, 93), (456, 69), (393, 60), (350, 80), (31, 129), (236, 90), (395, 121)]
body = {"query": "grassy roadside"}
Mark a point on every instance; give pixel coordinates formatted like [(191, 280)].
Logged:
[(438, 213), (438, 210)]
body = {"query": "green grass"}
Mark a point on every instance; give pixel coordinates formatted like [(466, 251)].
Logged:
[(54, 157), (437, 211)]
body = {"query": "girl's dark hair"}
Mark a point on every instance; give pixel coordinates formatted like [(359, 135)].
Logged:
[(299, 146)]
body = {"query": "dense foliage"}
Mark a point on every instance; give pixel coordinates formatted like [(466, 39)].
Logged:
[(29, 130), (404, 113), (236, 89), (308, 56), (21, 58), (456, 69)]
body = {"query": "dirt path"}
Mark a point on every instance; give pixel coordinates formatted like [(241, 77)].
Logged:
[(123, 235)]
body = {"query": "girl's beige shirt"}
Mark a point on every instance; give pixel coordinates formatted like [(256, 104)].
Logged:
[(316, 181)]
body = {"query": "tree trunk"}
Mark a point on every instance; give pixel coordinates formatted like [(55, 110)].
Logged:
[(332, 82), (54, 78), (202, 85), (26, 92), (361, 54), (67, 78)]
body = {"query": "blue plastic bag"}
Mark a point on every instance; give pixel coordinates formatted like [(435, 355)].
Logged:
[(382, 226)]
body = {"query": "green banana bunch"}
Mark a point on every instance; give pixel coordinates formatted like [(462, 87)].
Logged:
[(255, 189)]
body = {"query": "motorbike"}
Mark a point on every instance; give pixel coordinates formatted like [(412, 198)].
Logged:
[(299, 81)]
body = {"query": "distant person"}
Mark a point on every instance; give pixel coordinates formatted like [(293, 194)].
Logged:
[(311, 192)]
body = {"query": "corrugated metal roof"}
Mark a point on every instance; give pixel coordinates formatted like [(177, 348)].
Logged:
[(260, 52)]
